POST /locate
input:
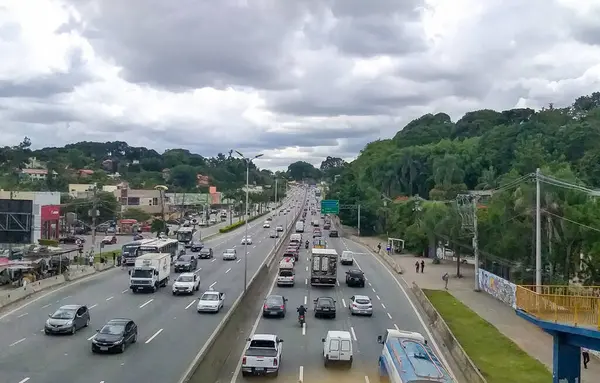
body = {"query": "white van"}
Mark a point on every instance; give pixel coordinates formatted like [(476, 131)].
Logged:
[(337, 347), (347, 258), (296, 238), (285, 275)]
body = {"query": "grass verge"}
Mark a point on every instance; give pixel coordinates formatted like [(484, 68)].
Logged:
[(498, 358)]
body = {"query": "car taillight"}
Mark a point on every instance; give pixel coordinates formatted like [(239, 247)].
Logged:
[(282, 307), (275, 362), (354, 305), (265, 307), (244, 360)]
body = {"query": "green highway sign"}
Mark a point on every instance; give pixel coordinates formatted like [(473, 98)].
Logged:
[(330, 206)]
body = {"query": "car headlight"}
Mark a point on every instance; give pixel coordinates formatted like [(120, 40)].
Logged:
[(69, 323), (119, 341)]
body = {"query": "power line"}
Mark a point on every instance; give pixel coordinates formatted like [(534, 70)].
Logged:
[(571, 221)]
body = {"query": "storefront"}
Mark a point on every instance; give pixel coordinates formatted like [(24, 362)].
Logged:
[(50, 217)]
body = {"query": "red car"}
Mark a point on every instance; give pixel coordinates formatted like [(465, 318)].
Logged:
[(109, 240)]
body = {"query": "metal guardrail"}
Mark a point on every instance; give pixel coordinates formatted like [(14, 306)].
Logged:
[(570, 305)]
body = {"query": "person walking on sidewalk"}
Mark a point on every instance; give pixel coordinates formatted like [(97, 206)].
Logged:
[(586, 356), (445, 278), (417, 267), (422, 266), (379, 248)]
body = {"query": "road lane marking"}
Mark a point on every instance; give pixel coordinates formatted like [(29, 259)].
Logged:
[(370, 285), (306, 268), (344, 302), (109, 298), (367, 379), (17, 342), (24, 380), (396, 327), (154, 336), (124, 291), (304, 328), (48, 305), (92, 337), (143, 305), (22, 315), (306, 281), (389, 316), (228, 270), (301, 374), (305, 299), (382, 305), (238, 261), (338, 283), (214, 259), (92, 306), (378, 297), (374, 290), (353, 334), (190, 305), (67, 297), (211, 286)]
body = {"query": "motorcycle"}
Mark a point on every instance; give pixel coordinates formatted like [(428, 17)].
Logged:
[(301, 320), (306, 245)]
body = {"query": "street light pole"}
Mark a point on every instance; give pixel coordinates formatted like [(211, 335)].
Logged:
[(248, 160)]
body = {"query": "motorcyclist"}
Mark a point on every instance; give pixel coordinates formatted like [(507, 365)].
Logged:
[(301, 311), (307, 243)]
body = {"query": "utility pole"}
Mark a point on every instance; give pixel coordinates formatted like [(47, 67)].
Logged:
[(475, 243), (538, 234), (276, 192), (358, 228), (94, 214)]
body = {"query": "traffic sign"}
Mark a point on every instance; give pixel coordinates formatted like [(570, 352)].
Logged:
[(330, 206)]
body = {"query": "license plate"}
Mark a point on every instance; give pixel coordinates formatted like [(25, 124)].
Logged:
[(103, 348), (272, 312), (325, 309), (259, 369)]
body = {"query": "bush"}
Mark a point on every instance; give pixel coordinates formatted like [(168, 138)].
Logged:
[(234, 226), (48, 242)]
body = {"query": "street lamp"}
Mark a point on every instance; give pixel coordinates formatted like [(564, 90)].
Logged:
[(248, 160)]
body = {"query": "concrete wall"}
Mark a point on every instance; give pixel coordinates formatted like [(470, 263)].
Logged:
[(497, 287), (443, 335)]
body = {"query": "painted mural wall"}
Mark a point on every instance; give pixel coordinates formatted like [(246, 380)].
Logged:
[(497, 287)]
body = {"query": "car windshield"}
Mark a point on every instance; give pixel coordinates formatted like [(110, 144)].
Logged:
[(185, 258), (185, 278), (230, 251), (362, 301), (205, 251), (141, 273), (356, 273), (274, 301), (325, 302), (112, 329), (210, 297), (64, 314)]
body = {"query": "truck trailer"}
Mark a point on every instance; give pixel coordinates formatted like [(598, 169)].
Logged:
[(323, 270)]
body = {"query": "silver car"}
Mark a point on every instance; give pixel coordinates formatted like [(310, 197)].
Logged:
[(361, 305), (67, 320), (229, 255)]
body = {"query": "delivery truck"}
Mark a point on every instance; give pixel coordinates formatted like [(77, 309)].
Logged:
[(299, 227), (323, 271), (150, 272)]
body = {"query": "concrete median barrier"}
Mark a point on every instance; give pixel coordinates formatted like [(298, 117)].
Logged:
[(228, 339), (8, 297)]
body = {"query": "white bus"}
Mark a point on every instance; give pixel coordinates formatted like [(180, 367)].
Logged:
[(185, 235), (161, 245), (129, 251)]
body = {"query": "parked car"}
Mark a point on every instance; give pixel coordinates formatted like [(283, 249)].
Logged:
[(67, 320), (115, 336)]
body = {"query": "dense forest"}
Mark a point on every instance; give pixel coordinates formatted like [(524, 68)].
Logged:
[(413, 186)]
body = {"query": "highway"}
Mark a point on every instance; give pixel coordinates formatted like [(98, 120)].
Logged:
[(302, 358), (171, 332)]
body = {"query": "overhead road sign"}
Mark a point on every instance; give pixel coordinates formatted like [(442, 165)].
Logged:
[(330, 206)]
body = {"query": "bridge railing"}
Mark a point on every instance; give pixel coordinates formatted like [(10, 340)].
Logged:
[(571, 305)]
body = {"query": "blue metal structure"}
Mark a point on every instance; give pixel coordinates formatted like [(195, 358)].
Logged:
[(568, 341)]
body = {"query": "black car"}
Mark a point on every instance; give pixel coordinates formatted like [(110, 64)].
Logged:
[(71, 240), (355, 277), (206, 253), (196, 246), (333, 234), (275, 305), (67, 320), (186, 262), (115, 336), (325, 307)]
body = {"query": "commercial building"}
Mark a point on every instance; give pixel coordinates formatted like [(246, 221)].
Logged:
[(26, 217)]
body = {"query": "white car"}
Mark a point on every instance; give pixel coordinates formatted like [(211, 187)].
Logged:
[(267, 225), (213, 221), (210, 301), (279, 228), (229, 255), (246, 241), (186, 283), (361, 305), (274, 234)]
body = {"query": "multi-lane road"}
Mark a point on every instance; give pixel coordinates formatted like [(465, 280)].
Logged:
[(171, 332), (302, 359)]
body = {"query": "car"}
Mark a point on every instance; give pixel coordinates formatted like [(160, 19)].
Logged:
[(67, 320), (229, 255), (274, 234), (196, 246), (355, 277), (210, 301), (115, 336), (361, 305), (267, 225), (186, 262), (109, 240), (274, 305), (279, 229), (206, 253), (324, 307), (138, 237), (212, 221), (317, 234), (269, 219), (327, 226), (71, 240), (347, 258), (333, 234), (337, 348), (247, 241), (186, 283)]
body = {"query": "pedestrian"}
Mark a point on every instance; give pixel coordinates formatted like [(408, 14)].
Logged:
[(379, 248), (91, 260), (445, 278), (114, 259), (586, 356), (417, 267), (422, 266)]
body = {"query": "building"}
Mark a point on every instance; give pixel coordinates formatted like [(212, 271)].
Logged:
[(253, 189), (202, 180), (35, 174), (26, 217)]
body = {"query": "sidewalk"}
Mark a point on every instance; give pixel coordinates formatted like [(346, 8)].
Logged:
[(529, 337)]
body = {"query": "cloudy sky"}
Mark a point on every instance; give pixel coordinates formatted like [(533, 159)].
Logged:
[(292, 79)]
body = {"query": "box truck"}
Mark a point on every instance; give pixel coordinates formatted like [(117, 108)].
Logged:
[(150, 272)]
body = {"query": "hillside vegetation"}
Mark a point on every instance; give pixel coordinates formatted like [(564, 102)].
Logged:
[(432, 160)]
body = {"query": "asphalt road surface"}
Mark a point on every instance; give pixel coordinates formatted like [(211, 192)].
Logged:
[(171, 332), (302, 357)]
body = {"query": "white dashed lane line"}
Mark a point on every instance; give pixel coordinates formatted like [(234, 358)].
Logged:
[(190, 305), (17, 342), (382, 305), (389, 316), (22, 315), (228, 270), (24, 380), (48, 305), (343, 302), (124, 291), (147, 303), (353, 333), (211, 286), (92, 306), (154, 336), (109, 298)]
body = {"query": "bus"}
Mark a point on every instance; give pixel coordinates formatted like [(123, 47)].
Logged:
[(407, 358), (185, 235), (129, 251), (161, 245)]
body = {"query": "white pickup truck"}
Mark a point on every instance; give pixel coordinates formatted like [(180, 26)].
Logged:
[(262, 356)]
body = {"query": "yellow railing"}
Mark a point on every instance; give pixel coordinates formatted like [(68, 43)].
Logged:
[(571, 305)]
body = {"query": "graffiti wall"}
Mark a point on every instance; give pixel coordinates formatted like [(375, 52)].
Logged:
[(497, 287)]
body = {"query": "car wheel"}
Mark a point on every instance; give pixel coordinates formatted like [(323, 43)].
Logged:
[(134, 338), (122, 348), (46, 332), (73, 330), (87, 322)]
